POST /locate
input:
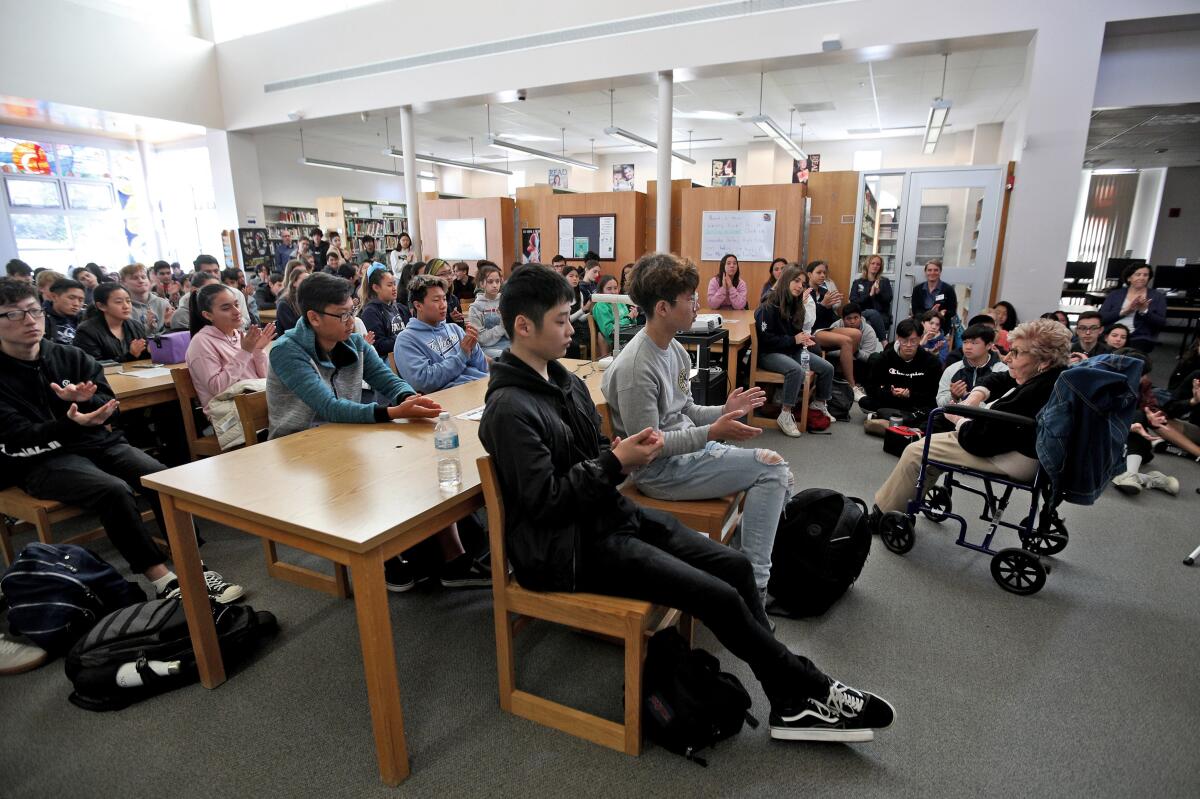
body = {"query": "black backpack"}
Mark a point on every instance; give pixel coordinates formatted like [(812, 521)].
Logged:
[(56, 593), (820, 548), (144, 650), (841, 401), (689, 703)]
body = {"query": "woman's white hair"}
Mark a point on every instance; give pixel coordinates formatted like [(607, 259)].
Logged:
[(1049, 341)]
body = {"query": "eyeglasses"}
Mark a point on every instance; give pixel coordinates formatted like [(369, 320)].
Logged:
[(1016, 353), (1088, 328), (343, 317), (17, 316)]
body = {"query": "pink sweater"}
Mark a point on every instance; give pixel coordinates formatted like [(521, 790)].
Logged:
[(216, 362), (721, 297)]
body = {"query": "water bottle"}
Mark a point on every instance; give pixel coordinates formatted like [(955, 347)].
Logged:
[(804, 358), (445, 440)]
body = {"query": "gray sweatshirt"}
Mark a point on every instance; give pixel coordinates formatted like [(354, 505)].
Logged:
[(484, 316), (647, 386)]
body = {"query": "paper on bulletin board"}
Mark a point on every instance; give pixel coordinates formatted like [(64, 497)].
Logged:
[(608, 237), (566, 238), (581, 247)]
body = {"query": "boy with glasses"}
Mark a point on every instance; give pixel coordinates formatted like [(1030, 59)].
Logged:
[(1087, 337)]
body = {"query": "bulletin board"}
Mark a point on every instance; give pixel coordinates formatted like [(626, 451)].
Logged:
[(580, 233)]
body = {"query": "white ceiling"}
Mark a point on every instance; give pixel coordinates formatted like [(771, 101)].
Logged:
[(985, 86)]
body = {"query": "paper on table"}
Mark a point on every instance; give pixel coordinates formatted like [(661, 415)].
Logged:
[(473, 415), (159, 371)]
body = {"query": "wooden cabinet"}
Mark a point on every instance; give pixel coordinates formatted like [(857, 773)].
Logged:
[(832, 216)]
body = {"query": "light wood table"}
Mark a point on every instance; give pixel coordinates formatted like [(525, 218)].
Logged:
[(142, 392), (339, 503), (266, 315)]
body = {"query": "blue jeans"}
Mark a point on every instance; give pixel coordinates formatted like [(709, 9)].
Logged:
[(793, 375), (877, 322), (718, 470)]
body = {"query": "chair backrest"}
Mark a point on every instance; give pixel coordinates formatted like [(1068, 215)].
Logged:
[(754, 349), (252, 411), (605, 419), (494, 501), (198, 446), (599, 347)]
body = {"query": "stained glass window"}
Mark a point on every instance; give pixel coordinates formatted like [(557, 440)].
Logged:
[(29, 157)]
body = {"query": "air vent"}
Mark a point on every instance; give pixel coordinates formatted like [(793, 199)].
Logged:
[(451, 139), (806, 108)]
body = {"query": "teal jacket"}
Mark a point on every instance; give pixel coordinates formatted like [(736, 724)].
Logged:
[(306, 388)]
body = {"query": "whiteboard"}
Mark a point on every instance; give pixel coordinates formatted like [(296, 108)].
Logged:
[(750, 235), (463, 239)]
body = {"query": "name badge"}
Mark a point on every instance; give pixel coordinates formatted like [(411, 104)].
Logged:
[(939, 298)]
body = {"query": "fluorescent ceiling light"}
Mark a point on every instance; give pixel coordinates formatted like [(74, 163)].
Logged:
[(776, 133), (512, 147), (713, 115), (358, 168), (396, 152), (934, 124), (621, 133), (1113, 171), (527, 137)]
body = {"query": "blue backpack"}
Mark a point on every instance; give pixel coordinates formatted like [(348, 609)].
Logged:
[(56, 593)]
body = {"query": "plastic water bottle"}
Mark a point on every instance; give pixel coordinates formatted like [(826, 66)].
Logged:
[(445, 440), (804, 359)]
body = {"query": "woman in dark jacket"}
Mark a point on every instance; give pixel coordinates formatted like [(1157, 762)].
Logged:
[(934, 293), (873, 293), (110, 333), (1142, 309), (1039, 354)]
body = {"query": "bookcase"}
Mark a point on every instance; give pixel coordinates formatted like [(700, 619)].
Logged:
[(931, 232), (357, 218), (297, 221)]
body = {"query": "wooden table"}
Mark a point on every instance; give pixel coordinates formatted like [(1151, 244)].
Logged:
[(266, 315), (142, 392), (340, 503)]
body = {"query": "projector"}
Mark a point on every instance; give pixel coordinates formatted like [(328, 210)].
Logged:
[(707, 322)]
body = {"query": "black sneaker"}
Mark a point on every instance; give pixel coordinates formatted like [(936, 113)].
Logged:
[(168, 591), (218, 590), (846, 714), (466, 572), (399, 575)]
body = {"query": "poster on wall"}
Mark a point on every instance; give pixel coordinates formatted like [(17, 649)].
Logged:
[(622, 177), (558, 178), (800, 169), (531, 245), (255, 252), (724, 172), (581, 246)]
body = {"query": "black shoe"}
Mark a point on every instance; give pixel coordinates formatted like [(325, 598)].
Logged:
[(399, 575), (218, 590), (466, 572), (873, 519), (846, 714)]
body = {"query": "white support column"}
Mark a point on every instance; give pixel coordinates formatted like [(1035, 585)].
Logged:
[(411, 196), (662, 238), (237, 188)]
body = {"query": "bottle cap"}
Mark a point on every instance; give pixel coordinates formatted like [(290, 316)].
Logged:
[(443, 416)]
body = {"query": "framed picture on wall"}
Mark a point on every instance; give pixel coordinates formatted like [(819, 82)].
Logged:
[(622, 177), (724, 172), (531, 245), (558, 178), (801, 169)]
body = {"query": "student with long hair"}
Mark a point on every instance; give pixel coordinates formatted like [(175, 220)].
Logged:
[(873, 294), (380, 312), (602, 312), (220, 354), (843, 339), (110, 333), (399, 257), (777, 267), (410, 270), (287, 307), (727, 289), (581, 306)]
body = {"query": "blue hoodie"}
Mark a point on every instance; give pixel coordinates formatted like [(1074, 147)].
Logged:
[(430, 359)]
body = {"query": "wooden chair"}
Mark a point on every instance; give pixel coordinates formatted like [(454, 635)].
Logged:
[(598, 348), (252, 411), (628, 620), (758, 375), (198, 446)]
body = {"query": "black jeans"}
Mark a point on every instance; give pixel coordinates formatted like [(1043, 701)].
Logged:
[(104, 481), (668, 564)]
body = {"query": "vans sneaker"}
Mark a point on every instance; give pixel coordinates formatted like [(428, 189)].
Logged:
[(820, 406), (218, 590), (466, 572), (859, 393), (16, 657), (787, 424), (1128, 483), (1162, 482), (846, 714), (399, 575)]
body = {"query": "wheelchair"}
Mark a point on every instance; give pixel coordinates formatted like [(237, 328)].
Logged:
[(1042, 532)]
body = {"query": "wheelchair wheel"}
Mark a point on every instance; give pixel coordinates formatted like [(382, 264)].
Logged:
[(939, 504), (1051, 543), (1018, 572), (896, 532)]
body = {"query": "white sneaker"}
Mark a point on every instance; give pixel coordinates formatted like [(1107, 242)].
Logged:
[(16, 657), (820, 406), (858, 393), (1128, 483), (787, 424), (1162, 482)]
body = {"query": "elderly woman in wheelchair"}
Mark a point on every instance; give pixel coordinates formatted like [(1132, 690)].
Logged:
[(994, 439)]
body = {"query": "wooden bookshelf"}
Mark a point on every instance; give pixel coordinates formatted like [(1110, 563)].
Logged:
[(354, 219)]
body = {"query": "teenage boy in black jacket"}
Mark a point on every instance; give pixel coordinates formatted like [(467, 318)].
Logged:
[(569, 529), (904, 376), (54, 403)]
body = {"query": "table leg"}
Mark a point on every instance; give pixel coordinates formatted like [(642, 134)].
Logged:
[(379, 663), (185, 553)]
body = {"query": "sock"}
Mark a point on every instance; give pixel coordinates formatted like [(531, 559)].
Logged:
[(1133, 463), (162, 582)]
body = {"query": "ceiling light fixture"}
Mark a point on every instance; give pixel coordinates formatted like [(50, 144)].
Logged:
[(396, 152), (772, 130), (371, 170), (633, 138), (938, 112), (512, 147)]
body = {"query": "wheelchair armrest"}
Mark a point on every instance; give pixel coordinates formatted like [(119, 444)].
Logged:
[(979, 412)]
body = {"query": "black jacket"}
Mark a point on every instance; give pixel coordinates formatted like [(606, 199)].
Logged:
[(33, 420), (385, 320), (775, 333), (923, 301), (94, 338), (59, 328), (1180, 406), (286, 317), (860, 293), (264, 298), (986, 438), (557, 472), (920, 376)]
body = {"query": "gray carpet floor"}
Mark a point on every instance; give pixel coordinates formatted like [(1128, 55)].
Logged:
[(1086, 689)]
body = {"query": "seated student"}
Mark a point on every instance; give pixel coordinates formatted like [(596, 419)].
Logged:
[(182, 320), (454, 313), (236, 280), (581, 306), (163, 282), (903, 376), (219, 354), (63, 312), (149, 310), (727, 290), (646, 388), (1117, 336), (1086, 342), (1152, 426), (432, 354), (979, 359), (1038, 356), (853, 318), (827, 300), (591, 275), (933, 340), (43, 279), (316, 376), (602, 312), (333, 262), (268, 291), (380, 314), (411, 270), (569, 529), (873, 293), (782, 321), (19, 270), (110, 333), (287, 309), (1006, 319), (56, 445), (209, 265), (463, 286), (777, 267), (484, 313)]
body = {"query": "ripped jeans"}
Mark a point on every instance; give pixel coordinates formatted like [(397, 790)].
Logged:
[(718, 470)]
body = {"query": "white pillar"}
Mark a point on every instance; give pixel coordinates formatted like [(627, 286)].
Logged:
[(412, 198), (237, 188), (662, 239)]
